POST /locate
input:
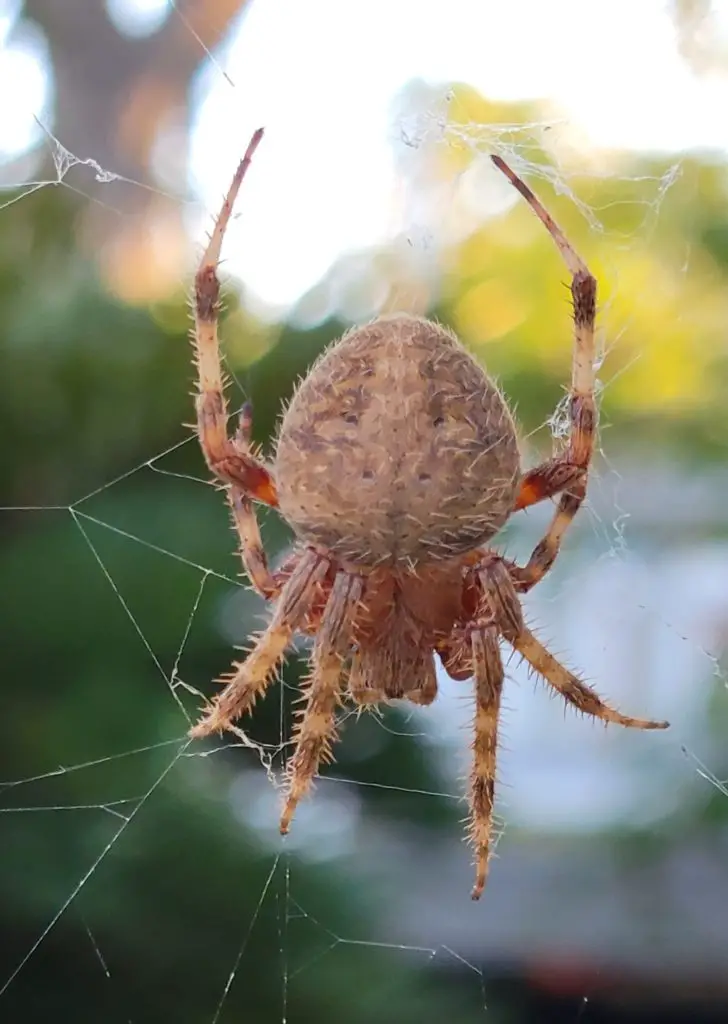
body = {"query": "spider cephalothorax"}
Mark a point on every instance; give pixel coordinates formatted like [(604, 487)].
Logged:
[(397, 462)]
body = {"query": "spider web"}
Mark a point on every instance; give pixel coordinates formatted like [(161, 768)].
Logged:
[(148, 778)]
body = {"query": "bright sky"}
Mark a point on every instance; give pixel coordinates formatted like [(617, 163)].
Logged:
[(322, 77)]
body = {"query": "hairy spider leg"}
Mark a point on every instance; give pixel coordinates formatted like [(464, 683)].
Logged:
[(488, 677), (502, 600), (231, 460), (499, 614), (316, 725), (245, 523), (576, 692), (568, 472), (249, 679)]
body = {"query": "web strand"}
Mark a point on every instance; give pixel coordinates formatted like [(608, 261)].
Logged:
[(91, 871)]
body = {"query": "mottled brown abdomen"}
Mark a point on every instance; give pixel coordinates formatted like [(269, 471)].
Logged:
[(397, 448)]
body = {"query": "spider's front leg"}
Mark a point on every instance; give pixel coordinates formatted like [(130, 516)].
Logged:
[(230, 459), (246, 526), (566, 474)]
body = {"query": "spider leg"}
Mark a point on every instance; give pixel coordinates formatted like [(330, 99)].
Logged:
[(231, 461), (503, 602), (546, 481), (488, 673), (252, 553), (249, 679), (316, 728), (567, 472), (546, 551), (245, 522), (574, 691)]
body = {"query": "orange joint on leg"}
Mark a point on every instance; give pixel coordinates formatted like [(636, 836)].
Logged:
[(252, 478), (263, 489), (531, 492)]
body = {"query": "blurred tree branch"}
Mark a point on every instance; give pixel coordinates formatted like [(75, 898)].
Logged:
[(114, 94)]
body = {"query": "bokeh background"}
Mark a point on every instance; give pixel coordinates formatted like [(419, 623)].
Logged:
[(142, 879)]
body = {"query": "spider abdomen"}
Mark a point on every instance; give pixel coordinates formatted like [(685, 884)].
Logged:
[(397, 448)]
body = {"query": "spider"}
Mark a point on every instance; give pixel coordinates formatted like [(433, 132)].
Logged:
[(397, 462)]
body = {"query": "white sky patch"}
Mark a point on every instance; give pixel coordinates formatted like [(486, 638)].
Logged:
[(22, 77)]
